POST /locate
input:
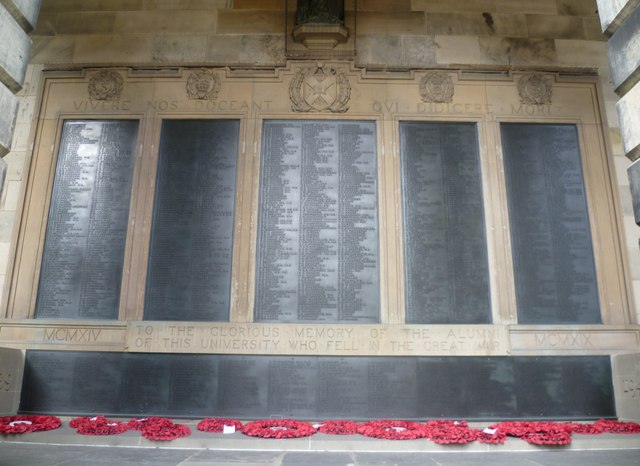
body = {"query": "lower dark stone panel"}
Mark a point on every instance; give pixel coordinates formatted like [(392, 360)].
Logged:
[(322, 387)]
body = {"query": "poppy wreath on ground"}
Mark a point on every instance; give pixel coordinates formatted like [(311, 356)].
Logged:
[(393, 430), (537, 433), (339, 427), (449, 432), (162, 431), (98, 425), (278, 428), (28, 423), (617, 427), (495, 438), (216, 424), (577, 428), (140, 424), (550, 436)]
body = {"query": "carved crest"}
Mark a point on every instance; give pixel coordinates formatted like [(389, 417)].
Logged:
[(320, 88), (5, 381), (105, 85), (535, 89), (436, 87), (203, 85)]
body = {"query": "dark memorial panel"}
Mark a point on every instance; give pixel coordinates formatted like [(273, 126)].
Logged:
[(553, 261), (317, 387), (81, 271), (317, 252), (189, 273), (445, 247)]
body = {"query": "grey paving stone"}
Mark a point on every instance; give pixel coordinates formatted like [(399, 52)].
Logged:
[(215, 458), (318, 459)]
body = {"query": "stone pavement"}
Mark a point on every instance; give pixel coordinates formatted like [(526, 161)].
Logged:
[(64, 447)]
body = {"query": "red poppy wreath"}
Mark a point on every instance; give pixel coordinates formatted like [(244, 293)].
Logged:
[(28, 423), (339, 427), (393, 430), (278, 428), (449, 432), (141, 423), (162, 431), (97, 425), (216, 424)]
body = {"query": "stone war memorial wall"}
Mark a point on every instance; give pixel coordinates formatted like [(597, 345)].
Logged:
[(319, 241)]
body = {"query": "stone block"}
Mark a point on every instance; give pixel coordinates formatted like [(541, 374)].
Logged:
[(582, 53), (626, 385), (13, 58), (25, 12), (384, 5), (179, 48), (624, 54), (262, 50), (11, 371), (578, 8), (629, 113), (379, 51), (3, 173), (163, 21), (92, 5), (259, 4), (113, 49), (86, 22), (9, 106), (592, 29), (613, 12), (459, 50), (490, 6), (223, 48), (546, 7), (418, 50), (53, 50), (10, 196), (250, 22), (555, 27), (518, 51), (188, 4), (47, 23), (370, 23), (472, 24), (634, 184)]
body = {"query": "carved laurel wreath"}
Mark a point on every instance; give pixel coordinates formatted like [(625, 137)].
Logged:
[(436, 87), (535, 89), (303, 76), (203, 85), (105, 85)]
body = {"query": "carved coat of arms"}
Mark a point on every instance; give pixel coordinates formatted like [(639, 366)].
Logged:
[(105, 85), (436, 87), (320, 88), (5, 381), (203, 85), (535, 89)]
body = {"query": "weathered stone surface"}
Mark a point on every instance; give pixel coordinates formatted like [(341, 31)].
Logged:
[(262, 50), (624, 54), (391, 23), (161, 21), (384, 5), (52, 50), (578, 7), (179, 48), (25, 12), (379, 51), (555, 27), (91, 5), (258, 5), (634, 183), (459, 49), (418, 50), (250, 22), (9, 106), (85, 22), (477, 24), (13, 58), (518, 51), (108, 49), (11, 370), (629, 111), (592, 29), (583, 53), (491, 6), (626, 385), (613, 12), (3, 173)]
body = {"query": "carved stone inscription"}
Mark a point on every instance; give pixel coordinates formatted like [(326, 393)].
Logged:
[(550, 233), (227, 338), (317, 255), (446, 268), (189, 276), (285, 386), (86, 231)]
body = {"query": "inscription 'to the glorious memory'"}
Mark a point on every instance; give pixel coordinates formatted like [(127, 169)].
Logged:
[(317, 254)]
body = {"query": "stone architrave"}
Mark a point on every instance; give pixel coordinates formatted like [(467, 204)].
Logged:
[(203, 85), (436, 87), (320, 88), (535, 89), (105, 85), (11, 369)]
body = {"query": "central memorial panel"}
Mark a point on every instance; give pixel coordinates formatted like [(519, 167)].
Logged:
[(317, 252)]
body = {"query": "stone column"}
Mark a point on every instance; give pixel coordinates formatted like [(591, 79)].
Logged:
[(17, 19)]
